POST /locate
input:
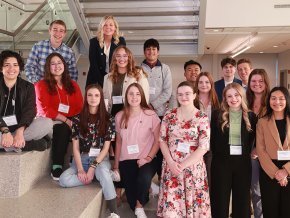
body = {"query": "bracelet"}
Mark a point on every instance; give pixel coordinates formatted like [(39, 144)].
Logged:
[(65, 119), (93, 166), (150, 157), (5, 131)]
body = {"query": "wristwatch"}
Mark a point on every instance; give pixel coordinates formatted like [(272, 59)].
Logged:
[(5, 131)]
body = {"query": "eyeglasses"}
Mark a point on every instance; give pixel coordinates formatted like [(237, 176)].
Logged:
[(186, 94), (121, 56)]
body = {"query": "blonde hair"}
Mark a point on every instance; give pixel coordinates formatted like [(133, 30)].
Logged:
[(132, 69), (225, 106), (100, 33)]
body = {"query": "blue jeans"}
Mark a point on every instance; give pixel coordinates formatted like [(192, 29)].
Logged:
[(69, 178)]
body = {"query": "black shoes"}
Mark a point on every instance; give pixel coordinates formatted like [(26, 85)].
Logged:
[(36, 145), (55, 174)]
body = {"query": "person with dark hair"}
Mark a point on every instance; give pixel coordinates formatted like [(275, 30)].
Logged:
[(20, 130), (244, 69), (137, 132), (184, 139), (273, 138), (191, 70), (101, 49), (257, 93), (59, 98), (229, 68), (160, 83), (34, 67), (92, 132), (232, 137)]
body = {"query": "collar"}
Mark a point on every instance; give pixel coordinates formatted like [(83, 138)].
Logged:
[(157, 63), (53, 47)]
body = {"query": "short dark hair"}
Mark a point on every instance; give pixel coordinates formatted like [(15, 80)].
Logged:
[(151, 43), (191, 62), (11, 54), (228, 60), (60, 22), (287, 97), (244, 60)]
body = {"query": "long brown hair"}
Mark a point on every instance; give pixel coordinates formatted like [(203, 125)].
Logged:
[(126, 110), (101, 118), (132, 69), (212, 93), (251, 94), (65, 78), (225, 107)]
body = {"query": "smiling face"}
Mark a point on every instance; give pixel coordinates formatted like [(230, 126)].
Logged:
[(191, 72), (57, 33), (257, 84), (229, 72), (56, 66), (121, 59), (244, 71), (233, 99), (204, 85), (151, 54), (109, 28), (10, 69), (185, 95), (278, 101), (93, 97), (134, 97)]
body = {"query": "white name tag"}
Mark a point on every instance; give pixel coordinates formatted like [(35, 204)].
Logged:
[(10, 120), (94, 152), (117, 99), (235, 150), (133, 149), (63, 108), (183, 147), (283, 155), (152, 90)]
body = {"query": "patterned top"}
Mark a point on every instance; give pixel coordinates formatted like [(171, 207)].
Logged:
[(34, 67), (92, 139)]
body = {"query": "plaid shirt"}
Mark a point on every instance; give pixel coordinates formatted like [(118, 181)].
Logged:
[(34, 67)]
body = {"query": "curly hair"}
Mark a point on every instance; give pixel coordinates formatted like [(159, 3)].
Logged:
[(100, 33), (50, 80), (132, 69), (11, 54), (225, 107), (251, 95), (212, 93)]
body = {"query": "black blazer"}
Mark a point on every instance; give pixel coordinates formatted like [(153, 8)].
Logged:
[(220, 85), (219, 140), (97, 58)]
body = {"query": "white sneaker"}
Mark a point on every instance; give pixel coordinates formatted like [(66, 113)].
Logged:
[(115, 175), (140, 213), (113, 215), (154, 188)]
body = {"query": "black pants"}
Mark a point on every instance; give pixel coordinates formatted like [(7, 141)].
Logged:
[(60, 141), (159, 158), (275, 199), (207, 159), (231, 174), (137, 180)]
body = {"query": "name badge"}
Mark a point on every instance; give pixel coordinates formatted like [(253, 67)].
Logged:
[(283, 155), (152, 90), (63, 108), (235, 150), (94, 152), (133, 149), (183, 147), (10, 120), (117, 99)]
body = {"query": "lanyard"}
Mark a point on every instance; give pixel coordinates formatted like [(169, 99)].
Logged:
[(13, 99), (59, 96), (137, 129)]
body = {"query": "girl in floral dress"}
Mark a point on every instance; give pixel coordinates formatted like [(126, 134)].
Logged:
[(184, 139)]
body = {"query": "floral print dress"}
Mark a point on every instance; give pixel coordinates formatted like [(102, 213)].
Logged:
[(185, 195)]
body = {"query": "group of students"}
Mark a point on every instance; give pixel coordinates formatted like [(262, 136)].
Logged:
[(200, 167)]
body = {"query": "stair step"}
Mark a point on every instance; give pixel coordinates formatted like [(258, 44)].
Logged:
[(21, 171), (49, 200)]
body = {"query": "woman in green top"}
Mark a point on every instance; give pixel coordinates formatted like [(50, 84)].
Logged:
[(232, 136)]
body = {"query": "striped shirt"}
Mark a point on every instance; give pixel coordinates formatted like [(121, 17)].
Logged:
[(34, 67)]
